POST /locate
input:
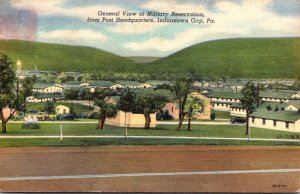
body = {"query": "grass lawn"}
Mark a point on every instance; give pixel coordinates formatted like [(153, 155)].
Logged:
[(161, 130), (222, 114)]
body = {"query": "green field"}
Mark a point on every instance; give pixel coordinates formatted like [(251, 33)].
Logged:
[(231, 58), (161, 130), (237, 58)]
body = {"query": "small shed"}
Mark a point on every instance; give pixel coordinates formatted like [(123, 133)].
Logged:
[(61, 109)]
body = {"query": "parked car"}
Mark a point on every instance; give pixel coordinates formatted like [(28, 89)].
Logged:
[(238, 120)]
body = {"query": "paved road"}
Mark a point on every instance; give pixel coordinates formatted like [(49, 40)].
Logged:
[(151, 168)]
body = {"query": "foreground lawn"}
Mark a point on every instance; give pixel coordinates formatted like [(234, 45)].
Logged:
[(235, 131)]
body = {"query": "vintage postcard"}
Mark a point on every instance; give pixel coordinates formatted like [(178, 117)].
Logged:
[(150, 96)]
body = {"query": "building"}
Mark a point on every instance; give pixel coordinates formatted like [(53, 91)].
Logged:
[(128, 119), (173, 109), (279, 95), (276, 116), (94, 84), (44, 87), (132, 84), (61, 110), (44, 97), (157, 83), (7, 112), (222, 100)]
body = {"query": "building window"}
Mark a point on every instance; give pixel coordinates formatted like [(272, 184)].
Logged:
[(287, 125), (253, 119), (264, 121), (274, 123)]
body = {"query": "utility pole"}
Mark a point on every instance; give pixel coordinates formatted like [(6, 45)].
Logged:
[(17, 103)]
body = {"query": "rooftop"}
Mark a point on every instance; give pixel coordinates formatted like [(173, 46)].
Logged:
[(281, 114), (100, 83), (42, 85)]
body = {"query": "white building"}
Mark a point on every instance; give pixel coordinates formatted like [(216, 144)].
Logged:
[(41, 87)]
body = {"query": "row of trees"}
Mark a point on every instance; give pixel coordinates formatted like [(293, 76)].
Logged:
[(131, 102)]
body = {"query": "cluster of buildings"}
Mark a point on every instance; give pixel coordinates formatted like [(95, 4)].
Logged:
[(276, 109)]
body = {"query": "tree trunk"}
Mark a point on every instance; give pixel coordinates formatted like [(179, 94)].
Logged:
[(3, 126), (147, 120), (101, 123), (189, 123), (247, 122), (181, 117)]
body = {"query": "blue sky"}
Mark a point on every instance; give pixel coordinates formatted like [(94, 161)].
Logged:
[(64, 21)]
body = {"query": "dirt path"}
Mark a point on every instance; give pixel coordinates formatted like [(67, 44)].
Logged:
[(80, 161)]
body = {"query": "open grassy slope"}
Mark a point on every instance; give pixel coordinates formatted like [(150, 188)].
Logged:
[(55, 57), (232, 58), (249, 58)]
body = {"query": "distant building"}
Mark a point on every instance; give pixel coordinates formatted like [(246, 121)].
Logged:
[(61, 109), (132, 84), (44, 97), (43, 87)]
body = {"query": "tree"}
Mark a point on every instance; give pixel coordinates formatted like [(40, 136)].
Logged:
[(27, 85), (107, 110), (11, 98), (248, 100), (147, 104), (7, 92), (49, 107), (192, 107), (126, 104), (182, 88), (71, 94)]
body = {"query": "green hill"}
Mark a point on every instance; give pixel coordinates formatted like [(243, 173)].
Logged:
[(237, 58), (55, 57), (232, 58)]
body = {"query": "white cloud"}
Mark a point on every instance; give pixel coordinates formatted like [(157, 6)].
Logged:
[(249, 19), (73, 37), (55, 7)]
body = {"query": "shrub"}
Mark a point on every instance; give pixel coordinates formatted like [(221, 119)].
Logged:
[(31, 126), (269, 107), (276, 109), (213, 116)]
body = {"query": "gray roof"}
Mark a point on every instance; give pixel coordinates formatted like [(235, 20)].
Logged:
[(128, 83), (97, 83), (284, 94), (42, 85), (280, 115), (225, 94)]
